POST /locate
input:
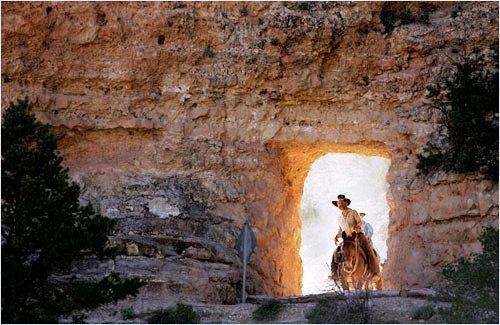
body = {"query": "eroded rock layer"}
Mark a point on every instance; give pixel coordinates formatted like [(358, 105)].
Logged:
[(183, 120)]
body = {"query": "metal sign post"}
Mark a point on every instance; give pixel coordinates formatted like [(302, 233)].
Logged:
[(245, 245)]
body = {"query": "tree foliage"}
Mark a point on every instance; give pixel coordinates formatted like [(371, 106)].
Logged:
[(468, 101), (471, 284), (44, 228)]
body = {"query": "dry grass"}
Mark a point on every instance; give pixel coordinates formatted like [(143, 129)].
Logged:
[(334, 311)]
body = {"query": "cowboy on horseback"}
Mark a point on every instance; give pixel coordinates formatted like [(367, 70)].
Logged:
[(351, 225)]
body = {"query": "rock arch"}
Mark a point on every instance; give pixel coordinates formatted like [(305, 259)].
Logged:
[(294, 159)]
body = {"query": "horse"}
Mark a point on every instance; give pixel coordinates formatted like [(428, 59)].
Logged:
[(351, 271)]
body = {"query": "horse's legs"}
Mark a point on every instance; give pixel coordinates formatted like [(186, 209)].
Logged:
[(378, 283), (344, 282), (371, 284), (360, 275), (359, 283), (369, 281), (366, 283)]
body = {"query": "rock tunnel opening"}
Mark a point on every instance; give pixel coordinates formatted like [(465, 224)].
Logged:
[(362, 179), (295, 160)]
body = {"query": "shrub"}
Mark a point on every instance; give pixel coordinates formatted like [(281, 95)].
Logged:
[(334, 311), (127, 313), (471, 284), (275, 41), (44, 228), (424, 312), (305, 5), (244, 11), (394, 14), (180, 314), (268, 311), (208, 52), (468, 101)]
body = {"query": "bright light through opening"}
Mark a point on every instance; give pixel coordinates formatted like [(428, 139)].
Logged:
[(362, 179)]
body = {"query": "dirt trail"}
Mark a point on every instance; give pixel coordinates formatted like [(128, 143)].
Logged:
[(385, 307)]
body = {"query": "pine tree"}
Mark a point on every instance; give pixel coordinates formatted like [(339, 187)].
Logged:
[(44, 228), (468, 102)]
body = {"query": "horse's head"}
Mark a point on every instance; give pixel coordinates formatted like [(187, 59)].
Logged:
[(349, 252)]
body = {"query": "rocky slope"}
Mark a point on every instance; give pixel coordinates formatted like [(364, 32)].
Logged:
[(183, 120)]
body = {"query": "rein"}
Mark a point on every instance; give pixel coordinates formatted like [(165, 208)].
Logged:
[(356, 241)]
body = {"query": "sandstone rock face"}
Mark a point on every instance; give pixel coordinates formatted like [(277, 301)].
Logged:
[(183, 120)]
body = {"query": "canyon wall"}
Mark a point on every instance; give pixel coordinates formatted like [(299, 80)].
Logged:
[(183, 120)]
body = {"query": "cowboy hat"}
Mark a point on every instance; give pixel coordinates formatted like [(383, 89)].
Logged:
[(341, 197)]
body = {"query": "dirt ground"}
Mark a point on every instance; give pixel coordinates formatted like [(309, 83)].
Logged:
[(384, 307)]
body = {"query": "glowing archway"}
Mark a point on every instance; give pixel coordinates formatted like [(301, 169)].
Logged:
[(279, 238), (361, 178)]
